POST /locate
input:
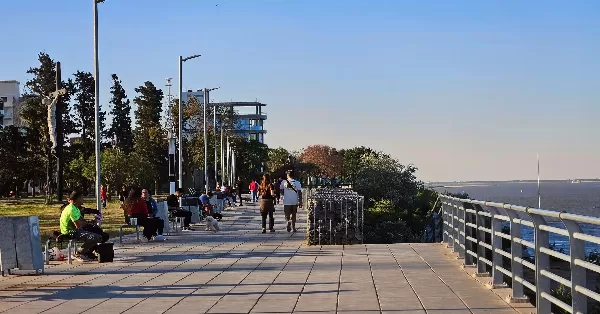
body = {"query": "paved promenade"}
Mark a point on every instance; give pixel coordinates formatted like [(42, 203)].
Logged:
[(240, 270)]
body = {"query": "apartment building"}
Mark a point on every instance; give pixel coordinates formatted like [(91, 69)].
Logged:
[(9, 103)]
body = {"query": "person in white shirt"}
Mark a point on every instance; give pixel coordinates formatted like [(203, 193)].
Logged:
[(292, 199)]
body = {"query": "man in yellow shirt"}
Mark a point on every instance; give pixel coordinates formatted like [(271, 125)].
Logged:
[(72, 224)]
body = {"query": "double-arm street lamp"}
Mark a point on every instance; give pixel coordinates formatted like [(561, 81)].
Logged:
[(180, 114)]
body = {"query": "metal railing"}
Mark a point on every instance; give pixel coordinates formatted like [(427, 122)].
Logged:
[(476, 229)]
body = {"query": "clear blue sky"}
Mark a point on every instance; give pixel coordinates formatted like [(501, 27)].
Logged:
[(465, 90)]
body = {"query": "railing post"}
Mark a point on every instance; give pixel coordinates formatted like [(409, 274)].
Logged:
[(497, 276), (469, 259), (542, 262), (452, 230), (461, 229), (516, 252), (444, 222), (481, 265), (578, 273)]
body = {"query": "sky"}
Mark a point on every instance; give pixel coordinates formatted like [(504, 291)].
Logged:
[(464, 90)]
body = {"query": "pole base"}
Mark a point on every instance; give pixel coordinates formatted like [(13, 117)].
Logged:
[(511, 299)]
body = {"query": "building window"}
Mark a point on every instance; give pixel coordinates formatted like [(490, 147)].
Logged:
[(253, 136), (4, 99)]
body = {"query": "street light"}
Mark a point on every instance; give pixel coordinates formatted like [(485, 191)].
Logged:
[(206, 103), (171, 138), (180, 159), (97, 104)]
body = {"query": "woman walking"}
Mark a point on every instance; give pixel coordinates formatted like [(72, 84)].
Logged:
[(267, 203)]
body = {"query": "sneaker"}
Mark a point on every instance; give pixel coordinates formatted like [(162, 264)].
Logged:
[(160, 237), (264, 231), (289, 226), (272, 230), (80, 257), (294, 230)]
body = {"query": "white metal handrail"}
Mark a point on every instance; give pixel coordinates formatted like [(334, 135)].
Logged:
[(473, 229)]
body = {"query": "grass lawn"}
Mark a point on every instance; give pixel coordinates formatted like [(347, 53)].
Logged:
[(49, 215)]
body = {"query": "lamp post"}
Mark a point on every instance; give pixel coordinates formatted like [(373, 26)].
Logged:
[(97, 104), (180, 119), (171, 138), (206, 103), (222, 156), (215, 130)]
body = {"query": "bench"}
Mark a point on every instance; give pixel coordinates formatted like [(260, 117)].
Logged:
[(137, 231), (60, 239), (174, 220)]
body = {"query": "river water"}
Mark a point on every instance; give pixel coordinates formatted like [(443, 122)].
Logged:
[(577, 198)]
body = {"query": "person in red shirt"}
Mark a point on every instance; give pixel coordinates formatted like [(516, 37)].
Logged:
[(253, 190), (103, 195), (136, 207)]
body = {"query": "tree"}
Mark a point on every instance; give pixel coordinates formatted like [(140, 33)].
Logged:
[(16, 157), (277, 158), (85, 106), (35, 113), (150, 143), (353, 161), (116, 168), (250, 157), (120, 130), (327, 158), (149, 104)]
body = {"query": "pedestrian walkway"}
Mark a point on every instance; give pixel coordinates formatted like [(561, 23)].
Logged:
[(240, 270)]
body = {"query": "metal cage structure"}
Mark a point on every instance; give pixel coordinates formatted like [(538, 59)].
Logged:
[(335, 216)]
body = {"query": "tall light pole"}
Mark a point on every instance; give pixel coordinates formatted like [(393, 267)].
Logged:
[(215, 131), (206, 103), (97, 104), (222, 156), (180, 114), (171, 138)]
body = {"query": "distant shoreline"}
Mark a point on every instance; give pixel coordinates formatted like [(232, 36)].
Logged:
[(462, 184), (471, 183)]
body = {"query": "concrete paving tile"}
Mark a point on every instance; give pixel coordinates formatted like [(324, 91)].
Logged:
[(240, 270)]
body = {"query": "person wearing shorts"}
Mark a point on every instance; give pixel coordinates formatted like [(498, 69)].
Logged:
[(292, 199)]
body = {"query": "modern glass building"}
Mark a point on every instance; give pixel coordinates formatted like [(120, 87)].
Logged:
[(251, 115)]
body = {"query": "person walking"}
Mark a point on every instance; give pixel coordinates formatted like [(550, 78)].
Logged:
[(103, 196), (238, 186), (292, 199), (277, 186), (254, 190), (266, 191)]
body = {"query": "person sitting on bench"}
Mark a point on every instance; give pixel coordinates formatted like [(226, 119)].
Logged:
[(152, 214), (136, 208), (175, 210), (73, 226), (208, 207)]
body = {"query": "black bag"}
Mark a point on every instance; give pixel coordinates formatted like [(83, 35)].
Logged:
[(106, 253)]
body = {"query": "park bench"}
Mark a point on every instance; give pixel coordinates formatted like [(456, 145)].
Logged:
[(60, 240), (174, 220), (129, 225)]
